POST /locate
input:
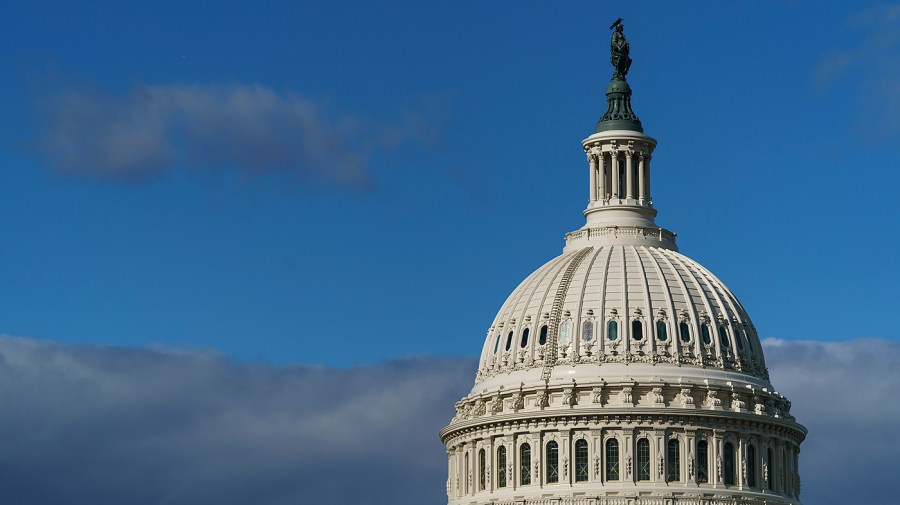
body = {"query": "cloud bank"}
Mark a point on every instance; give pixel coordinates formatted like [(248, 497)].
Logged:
[(108, 425), (249, 129)]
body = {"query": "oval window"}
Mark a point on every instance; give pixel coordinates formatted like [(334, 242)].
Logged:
[(723, 336), (685, 331), (637, 330), (565, 333), (704, 334), (612, 330), (661, 333), (509, 340), (497, 344), (587, 331), (738, 338), (542, 339), (524, 341)]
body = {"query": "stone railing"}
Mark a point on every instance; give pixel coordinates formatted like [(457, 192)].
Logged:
[(621, 231)]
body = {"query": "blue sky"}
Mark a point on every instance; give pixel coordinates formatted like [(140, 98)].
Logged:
[(232, 232), (453, 166)]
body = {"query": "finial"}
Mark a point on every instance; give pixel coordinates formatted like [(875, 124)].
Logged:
[(619, 115), (619, 50)]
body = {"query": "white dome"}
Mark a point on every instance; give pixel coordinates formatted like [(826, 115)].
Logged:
[(622, 372), (666, 309)]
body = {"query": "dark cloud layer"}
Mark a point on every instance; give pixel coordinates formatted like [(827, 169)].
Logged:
[(848, 395), (108, 425), (250, 129)]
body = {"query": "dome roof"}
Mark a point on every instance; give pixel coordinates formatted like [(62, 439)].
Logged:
[(622, 371), (619, 309)]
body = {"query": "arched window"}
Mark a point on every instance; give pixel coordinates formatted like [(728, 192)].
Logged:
[(685, 331), (749, 340), (751, 466), (661, 332), (637, 330), (524, 341), (581, 460), (565, 333), (501, 466), (552, 462), (612, 459), (769, 460), (509, 340), (467, 476), (525, 464), (643, 459), (542, 339), (612, 330), (702, 461), (481, 471), (587, 331), (673, 461), (728, 463), (704, 333), (723, 336), (497, 345)]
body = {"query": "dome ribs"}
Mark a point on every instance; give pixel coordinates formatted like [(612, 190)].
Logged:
[(601, 332), (505, 313), (688, 301), (675, 341), (556, 311), (649, 327), (581, 301)]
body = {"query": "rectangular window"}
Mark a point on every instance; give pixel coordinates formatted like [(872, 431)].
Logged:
[(673, 462), (643, 459), (702, 462), (581, 461), (612, 459)]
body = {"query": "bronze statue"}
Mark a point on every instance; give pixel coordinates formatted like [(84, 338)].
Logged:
[(619, 49)]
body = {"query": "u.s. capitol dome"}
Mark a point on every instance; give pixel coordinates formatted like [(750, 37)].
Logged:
[(622, 372)]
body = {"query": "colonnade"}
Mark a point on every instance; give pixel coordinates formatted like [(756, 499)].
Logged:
[(620, 175), (771, 473)]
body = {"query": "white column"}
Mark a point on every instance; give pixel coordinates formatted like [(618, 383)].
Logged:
[(629, 178), (512, 458), (489, 461), (592, 159), (614, 156), (601, 173), (642, 179), (647, 176)]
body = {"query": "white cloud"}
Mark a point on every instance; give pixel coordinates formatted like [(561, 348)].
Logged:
[(250, 129), (111, 425)]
